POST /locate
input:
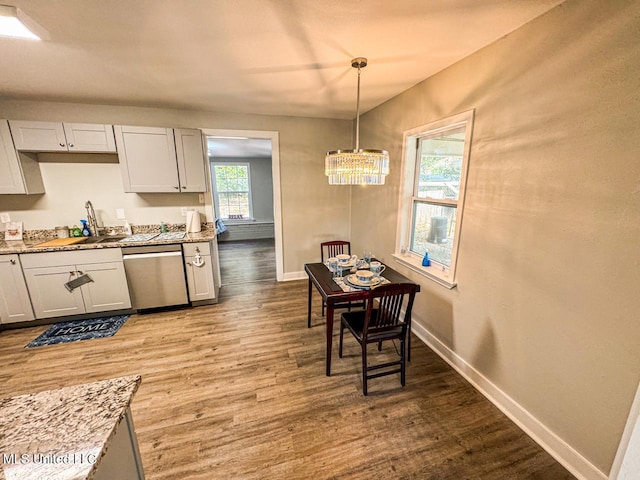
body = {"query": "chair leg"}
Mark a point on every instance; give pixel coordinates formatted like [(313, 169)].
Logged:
[(409, 344), (402, 362), (341, 338), (379, 346), (323, 308), (364, 368)]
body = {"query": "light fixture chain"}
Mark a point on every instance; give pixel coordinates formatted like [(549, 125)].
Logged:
[(358, 113)]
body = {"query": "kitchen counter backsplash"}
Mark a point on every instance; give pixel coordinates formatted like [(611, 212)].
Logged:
[(50, 234)]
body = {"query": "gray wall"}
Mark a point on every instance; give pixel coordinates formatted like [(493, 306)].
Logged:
[(547, 304), (261, 185)]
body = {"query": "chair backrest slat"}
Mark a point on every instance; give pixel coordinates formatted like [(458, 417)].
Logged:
[(390, 299)]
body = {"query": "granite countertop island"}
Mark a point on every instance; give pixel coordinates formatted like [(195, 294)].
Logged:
[(32, 245), (62, 434)]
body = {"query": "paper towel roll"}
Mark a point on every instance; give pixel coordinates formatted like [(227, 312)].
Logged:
[(193, 221)]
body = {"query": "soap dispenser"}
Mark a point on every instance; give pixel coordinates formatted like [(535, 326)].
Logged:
[(127, 228), (85, 229)]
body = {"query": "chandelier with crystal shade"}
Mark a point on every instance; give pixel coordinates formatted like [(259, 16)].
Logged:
[(358, 166)]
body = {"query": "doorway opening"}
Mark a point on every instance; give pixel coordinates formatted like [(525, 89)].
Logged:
[(245, 180)]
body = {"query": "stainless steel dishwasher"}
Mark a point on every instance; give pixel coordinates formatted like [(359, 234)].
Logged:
[(156, 276)]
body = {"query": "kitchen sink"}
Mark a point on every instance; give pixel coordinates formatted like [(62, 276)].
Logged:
[(104, 239)]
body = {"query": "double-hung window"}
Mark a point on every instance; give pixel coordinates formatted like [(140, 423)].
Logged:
[(232, 190), (436, 160)]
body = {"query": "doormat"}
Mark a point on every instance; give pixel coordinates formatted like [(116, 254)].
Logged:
[(79, 330)]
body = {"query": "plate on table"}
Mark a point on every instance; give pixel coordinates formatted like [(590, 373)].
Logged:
[(354, 282)]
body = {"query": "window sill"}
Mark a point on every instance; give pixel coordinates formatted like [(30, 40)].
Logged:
[(237, 221), (432, 273)]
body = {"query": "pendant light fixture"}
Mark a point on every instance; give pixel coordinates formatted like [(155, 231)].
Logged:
[(358, 166)]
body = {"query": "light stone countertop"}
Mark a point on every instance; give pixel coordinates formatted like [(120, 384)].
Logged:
[(31, 246), (62, 434)]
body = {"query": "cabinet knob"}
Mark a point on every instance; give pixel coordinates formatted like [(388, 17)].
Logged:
[(71, 145), (72, 273), (80, 272), (62, 144), (177, 188), (183, 187), (12, 261)]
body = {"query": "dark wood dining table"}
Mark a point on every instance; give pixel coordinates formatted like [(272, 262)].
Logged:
[(322, 278)]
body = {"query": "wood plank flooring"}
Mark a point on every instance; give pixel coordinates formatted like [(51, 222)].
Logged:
[(237, 391), (245, 261)]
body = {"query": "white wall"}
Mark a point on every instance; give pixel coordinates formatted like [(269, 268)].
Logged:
[(312, 211), (547, 303)]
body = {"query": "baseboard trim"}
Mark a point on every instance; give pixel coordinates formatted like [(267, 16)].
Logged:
[(566, 455), (289, 276)]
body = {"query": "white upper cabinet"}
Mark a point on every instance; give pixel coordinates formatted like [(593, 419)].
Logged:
[(62, 137), (161, 159), (19, 173), (190, 154)]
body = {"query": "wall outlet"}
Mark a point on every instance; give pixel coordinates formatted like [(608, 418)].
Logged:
[(183, 211), (201, 198), (120, 213), (5, 217)]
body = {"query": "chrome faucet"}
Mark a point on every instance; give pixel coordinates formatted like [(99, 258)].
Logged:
[(91, 218)]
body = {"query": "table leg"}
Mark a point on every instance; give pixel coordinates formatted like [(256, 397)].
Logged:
[(309, 305), (329, 323)]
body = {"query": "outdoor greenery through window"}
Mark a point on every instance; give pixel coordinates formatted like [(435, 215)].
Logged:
[(232, 190), (436, 159)]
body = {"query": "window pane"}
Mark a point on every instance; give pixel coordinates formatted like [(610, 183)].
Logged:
[(440, 165), (232, 189), (433, 229)]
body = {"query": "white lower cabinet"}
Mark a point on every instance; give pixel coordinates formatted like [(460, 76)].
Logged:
[(15, 305), (201, 265), (47, 273)]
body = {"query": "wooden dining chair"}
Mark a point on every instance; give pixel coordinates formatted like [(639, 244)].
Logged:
[(382, 320), (331, 249)]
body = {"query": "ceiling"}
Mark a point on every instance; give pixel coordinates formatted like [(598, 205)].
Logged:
[(282, 57)]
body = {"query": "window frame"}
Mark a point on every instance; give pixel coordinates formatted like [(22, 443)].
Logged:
[(437, 272), (216, 192)]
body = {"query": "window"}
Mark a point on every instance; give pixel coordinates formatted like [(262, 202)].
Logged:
[(436, 158), (232, 190)]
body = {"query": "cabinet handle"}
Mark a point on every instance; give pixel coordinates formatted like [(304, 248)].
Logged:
[(62, 144), (177, 188), (71, 145), (12, 261)]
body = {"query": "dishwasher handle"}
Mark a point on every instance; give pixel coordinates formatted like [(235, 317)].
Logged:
[(133, 256)]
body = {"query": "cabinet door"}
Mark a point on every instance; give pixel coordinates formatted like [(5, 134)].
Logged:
[(49, 296), (89, 137), (38, 136), (11, 180), (108, 291), (200, 279), (147, 159), (190, 154), (19, 172), (15, 305)]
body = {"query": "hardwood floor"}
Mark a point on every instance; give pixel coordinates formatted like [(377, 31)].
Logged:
[(246, 261), (237, 391)]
